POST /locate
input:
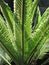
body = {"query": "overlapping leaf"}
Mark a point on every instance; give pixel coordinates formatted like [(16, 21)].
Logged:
[(39, 32), (16, 33)]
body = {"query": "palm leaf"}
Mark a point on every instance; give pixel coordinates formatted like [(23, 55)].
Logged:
[(44, 49), (5, 59), (29, 16), (38, 49), (37, 18), (39, 32), (28, 23), (6, 42), (18, 4), (16, 33)]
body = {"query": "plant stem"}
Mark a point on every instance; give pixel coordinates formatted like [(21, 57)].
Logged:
[(23, 33)]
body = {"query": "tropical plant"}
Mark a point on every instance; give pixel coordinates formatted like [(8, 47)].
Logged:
[(23, 43)]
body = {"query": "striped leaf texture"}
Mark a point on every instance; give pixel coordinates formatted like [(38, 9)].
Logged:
[(22, 41)]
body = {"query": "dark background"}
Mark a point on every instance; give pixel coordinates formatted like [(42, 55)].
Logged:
[(43, 5)]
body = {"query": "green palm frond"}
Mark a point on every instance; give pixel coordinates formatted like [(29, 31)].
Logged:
[(44, 49), (5, 39), (24, 43), (39, 32), (4, 57), (40, 48)]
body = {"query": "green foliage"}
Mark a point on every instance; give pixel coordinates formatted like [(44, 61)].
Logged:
[(22, 42)]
